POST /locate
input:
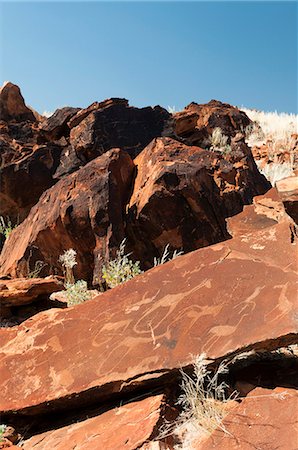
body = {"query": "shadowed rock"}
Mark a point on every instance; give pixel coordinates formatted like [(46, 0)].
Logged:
[(83, 211), (55, 126), (183, 194)]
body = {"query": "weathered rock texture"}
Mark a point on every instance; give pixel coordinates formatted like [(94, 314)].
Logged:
[(182, 195), (233, 296), (288, 192), (12, 105), (83, 211), (113, 123), (195, 122), (266, 419), (125, 427), (22, 291)]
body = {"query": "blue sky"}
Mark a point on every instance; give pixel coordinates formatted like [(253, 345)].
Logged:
[(167, 53)]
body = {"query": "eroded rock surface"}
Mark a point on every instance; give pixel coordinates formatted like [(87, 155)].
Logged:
[(196, 122), (12, 104), (83, 211), (22, 291), (219, 300), (182, 195), (288, 192), (125, 427), (265, 419)]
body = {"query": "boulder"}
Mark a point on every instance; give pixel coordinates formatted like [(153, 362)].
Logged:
[(196, 122), (124, 427), (223, 300), (265, 419), (55, 126), (288, 192), (23, 180), (183, 194), (12, 105), (83, 211), (23, 291), (113, 123)]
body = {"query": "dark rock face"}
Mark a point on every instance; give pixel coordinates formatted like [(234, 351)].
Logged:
[(115, 124), (55, 126), (83, 211), (23, 181), (196, 122), (182, 196)]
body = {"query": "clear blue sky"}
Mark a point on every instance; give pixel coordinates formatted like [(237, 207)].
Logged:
[(167, 53)]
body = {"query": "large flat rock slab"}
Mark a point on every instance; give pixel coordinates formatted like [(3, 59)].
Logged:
[(220, 300), (266, 419), (126, 427)]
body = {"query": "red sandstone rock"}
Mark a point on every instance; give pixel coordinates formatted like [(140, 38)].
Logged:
[(233, 296), (83, 211), (23, 291), (265, 419), (182, 195), (12, 105), (197, 121), (126, 427)]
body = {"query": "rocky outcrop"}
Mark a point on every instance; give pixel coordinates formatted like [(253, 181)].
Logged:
[(83, 211), (12, 105), (195, 123), (265, 419), (55, 126), (113, 123), (222, 300), (182, 195)]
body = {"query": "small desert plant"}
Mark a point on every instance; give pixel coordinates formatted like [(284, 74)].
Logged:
[(166, 256), (203, 399), (203, 402), (77, 293), (2, 431), (38, 266), (120, 269), (68, 261), (6, 226), (219, 142)]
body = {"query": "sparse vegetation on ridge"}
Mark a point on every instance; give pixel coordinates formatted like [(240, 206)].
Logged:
[(120, 269), (219, 142)]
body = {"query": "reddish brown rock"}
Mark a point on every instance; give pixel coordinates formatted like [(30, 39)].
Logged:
[(12, 105), (182, 195), (221, 300), (126, 427), (288, 192), (265, 419), (25, 178), (23, 291), (83, 211), (196, 122), (113, 123)]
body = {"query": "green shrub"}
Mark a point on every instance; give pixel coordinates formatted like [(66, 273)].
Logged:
[(120, 269), (77, 293), (6, 227)]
